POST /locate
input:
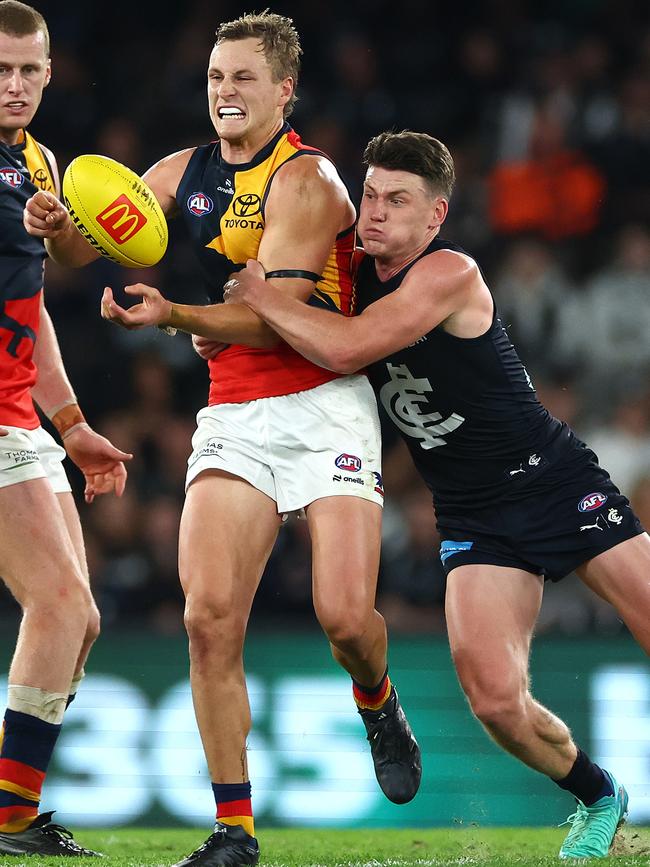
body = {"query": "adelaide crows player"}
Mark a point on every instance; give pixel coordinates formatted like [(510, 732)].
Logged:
[(519, 498), (280, 433), (42, 559)]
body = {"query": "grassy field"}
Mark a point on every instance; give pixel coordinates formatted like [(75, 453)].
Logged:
[(474, 847)]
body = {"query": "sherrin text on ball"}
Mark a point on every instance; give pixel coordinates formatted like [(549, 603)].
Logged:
[(115, 211)]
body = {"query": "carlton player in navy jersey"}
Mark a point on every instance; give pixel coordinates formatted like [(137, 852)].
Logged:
[(42, 559), (518, 496)]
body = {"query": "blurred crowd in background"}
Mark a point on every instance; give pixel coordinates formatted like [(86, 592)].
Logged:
[(546, 109)]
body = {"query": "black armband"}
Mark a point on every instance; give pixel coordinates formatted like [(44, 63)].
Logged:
[(295, 272)]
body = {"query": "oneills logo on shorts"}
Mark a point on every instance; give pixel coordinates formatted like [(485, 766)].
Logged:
[(121, 219)]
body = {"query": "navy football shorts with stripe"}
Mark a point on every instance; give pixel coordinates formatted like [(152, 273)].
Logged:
[(567, 515)]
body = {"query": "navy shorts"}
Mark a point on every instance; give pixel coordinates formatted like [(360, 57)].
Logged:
[(567, 515)]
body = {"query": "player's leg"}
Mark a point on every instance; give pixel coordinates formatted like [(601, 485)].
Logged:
[(71, 517), (40, 567), (346, 539), (227, 532), (621, 576), (491, 612)]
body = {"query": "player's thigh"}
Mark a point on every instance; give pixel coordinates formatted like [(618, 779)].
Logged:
[(346, 541), (621, 575), (37, 555), (227, 532), (491, 613)]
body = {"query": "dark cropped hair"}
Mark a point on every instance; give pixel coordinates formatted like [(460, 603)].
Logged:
[(414, 152), (280, 44), (18, 19)]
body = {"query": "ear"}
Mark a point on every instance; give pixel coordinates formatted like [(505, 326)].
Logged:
[(438, 212), (48, 73), (286, 92)]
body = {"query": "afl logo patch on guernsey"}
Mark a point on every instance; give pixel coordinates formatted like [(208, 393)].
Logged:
[(592, 501), (247, 205), (199, 204), (349, 463), (12, 177)]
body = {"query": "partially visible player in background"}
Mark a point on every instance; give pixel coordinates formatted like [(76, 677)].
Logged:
[(518, 497), (280, 433), (42, 558)]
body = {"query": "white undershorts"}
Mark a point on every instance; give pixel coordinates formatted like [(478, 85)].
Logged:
[(297, 448), (31, 454)]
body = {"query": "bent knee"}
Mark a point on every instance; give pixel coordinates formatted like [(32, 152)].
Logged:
[(214, 622), (344, 629)]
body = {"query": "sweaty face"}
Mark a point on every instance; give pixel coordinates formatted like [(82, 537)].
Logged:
[(397, 213), (246, 105), (24, 72)]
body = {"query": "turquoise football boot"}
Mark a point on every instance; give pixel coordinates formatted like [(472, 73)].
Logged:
[(593, 828)]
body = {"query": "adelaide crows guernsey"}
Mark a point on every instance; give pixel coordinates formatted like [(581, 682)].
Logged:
[(223, 206), (466, 408), (24, 169)]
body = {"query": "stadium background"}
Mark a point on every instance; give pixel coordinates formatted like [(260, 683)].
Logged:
[(546, 108)]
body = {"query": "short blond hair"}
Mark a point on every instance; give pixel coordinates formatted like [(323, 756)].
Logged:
[(280, 44), (19, 19)]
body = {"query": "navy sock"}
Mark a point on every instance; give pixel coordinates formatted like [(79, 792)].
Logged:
[(586, 781)]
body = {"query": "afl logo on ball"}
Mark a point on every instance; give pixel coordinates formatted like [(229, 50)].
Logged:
[(592, 502), (12, 177), (247, 205), (199, 204)]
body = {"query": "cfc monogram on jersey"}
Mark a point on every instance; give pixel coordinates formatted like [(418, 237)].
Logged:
[(465, 407), (223, 207), (24, 169)]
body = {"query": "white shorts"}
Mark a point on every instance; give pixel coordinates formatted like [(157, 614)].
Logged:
[(297, 448), (31, 454)]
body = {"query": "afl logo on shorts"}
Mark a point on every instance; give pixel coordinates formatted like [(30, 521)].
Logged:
[(349, 463), (592, 502), (12, 177), (199, 204)]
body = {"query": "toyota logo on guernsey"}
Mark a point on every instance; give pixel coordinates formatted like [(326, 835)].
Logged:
[(121, 219), (12, 177), (349, 463), (592, 502), (199, 204)]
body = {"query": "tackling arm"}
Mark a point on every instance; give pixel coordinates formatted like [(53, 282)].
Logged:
[(435, 289)]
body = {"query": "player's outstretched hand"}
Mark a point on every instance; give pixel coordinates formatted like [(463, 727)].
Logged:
[(154, 309), (206, 348), (242, 288), (44, 215), (98, 459)]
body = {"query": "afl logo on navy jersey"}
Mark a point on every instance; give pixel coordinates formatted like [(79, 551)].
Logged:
[(247, 205), (12, 177), (592, 501), (199, 204)]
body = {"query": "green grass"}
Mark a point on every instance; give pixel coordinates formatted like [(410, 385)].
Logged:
[(468, 847)]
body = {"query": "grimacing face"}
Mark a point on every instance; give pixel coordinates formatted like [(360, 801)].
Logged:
[(24, 72), (397, 213), (246, 105)]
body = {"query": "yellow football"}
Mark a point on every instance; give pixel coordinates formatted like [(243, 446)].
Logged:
[(115, 211)]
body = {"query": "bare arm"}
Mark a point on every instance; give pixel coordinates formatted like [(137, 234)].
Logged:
[(306, 208), (46, 217), (98, 459), (442, 287)]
